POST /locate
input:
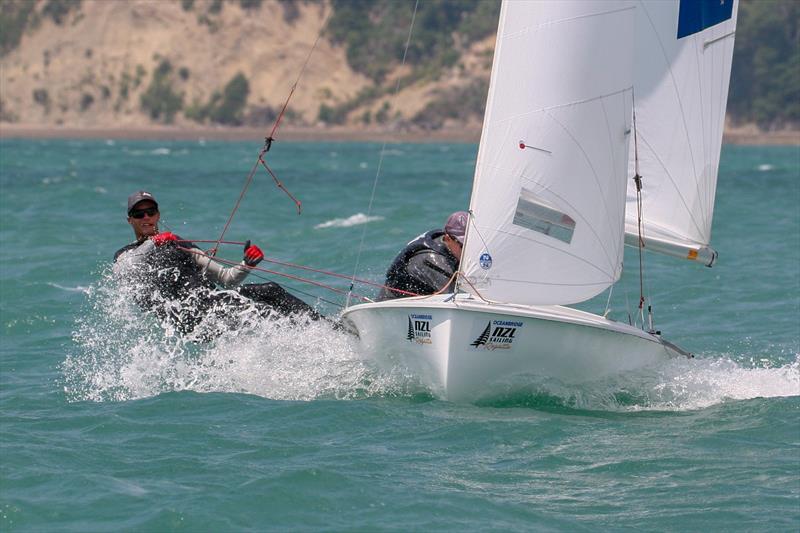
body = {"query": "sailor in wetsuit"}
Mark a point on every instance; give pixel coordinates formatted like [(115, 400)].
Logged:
[(426, 265), (181, 285)]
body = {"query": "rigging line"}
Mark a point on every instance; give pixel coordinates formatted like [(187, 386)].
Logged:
[(279, 183), (637, 178), (382, 154), (608, 302), (238, 201), (290, 276), (256, 275), (268, 142), (299, 75), (470, 224), (462, 276), (303, 267), (295, 289)]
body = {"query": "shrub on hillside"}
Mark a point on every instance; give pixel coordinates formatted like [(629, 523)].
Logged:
[(458, 104), (42, 97), (765, 77), (231, 106), (226, 107), (58, 10), (375, 33), (14, 16), (160, 101)]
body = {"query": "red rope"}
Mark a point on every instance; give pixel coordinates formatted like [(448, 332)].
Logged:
[(279, 183), (268, 144), (301, 267), (238, 201), (290, 276), (299, 75)]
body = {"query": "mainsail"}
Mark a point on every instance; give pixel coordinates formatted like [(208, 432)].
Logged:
[(548, 197), (684, 50)]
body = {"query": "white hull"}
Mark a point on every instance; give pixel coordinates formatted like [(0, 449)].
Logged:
[(464, 349)]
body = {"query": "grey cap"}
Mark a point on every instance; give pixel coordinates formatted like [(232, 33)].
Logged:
[(139, 196), (456, 225)]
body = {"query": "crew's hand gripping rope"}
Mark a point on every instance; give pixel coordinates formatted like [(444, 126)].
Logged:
[(290, 265), (267, 145)]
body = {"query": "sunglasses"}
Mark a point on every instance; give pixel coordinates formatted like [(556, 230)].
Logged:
[(140, 213), (455, 239)]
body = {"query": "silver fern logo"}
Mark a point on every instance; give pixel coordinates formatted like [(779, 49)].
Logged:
[(419, 329), (497, 335)]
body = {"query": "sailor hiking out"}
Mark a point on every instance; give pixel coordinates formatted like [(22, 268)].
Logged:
[(178, 282)]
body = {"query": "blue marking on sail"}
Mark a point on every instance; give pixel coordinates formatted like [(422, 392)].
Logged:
[(696, 15)]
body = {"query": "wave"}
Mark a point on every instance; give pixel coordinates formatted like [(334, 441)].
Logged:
[(674, 385), (354, 220), (79, 288)]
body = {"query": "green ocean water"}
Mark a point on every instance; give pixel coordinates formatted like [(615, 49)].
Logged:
[(108, 424)]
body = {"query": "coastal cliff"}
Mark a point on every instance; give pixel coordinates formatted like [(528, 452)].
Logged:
[(194, 65)]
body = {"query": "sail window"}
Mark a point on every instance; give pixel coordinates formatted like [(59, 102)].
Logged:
[(535, 214)]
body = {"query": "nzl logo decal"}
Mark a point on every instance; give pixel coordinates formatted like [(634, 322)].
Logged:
[(498, 335), (419, 329)]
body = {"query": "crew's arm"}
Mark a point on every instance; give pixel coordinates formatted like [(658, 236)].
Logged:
[(227, 277), (431, 270)]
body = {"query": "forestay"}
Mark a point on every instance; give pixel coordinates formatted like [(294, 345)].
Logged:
[(684, 51), (549, 192)]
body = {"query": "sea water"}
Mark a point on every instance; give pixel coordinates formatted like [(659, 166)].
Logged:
[(109, 422)]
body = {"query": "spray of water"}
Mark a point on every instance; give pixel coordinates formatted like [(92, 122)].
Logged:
[(671, 385), (122, 354)]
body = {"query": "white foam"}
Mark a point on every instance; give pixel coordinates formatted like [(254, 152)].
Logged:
[(78, 288), (765, 167), (160, 151), (703, 382), (123, 355), (354, 220), (683, 385)]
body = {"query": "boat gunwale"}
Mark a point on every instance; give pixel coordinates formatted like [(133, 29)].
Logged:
[(552, 313)]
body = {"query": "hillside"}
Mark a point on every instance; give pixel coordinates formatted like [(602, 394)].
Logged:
[(104, 63), (201, 63)]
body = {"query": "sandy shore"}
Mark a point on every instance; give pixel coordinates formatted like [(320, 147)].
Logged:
[(747, 135), (32, 131)]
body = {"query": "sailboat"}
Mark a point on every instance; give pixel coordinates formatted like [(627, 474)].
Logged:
[(551, 208)]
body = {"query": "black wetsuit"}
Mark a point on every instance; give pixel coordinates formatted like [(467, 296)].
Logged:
[(424, 266), (169, 274)]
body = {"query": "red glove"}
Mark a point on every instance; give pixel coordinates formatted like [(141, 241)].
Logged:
[(164, 238), (252, 254)]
